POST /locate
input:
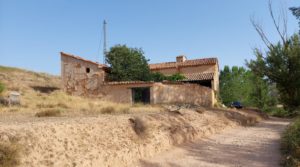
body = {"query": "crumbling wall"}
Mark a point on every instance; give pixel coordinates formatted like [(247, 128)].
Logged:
[(182, 93), (86, 78), (160, 93), (80, 77), (116, 93)]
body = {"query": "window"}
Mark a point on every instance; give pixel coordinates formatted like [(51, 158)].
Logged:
[(87, 70)]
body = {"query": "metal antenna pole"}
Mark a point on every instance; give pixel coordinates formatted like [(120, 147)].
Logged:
[(104, 42)]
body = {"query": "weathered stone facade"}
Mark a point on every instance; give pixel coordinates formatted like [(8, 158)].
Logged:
[(86, 78), (160, 93), (79, 76)]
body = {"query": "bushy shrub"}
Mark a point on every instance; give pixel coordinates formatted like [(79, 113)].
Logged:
[(291, 145), (49, 113), (176, 77), (159, 77), (108, 110), (2, 87), (279, 112), (115, 109)]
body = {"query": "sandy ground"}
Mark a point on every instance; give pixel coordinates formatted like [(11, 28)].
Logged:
[(257, 146), (108, 140)]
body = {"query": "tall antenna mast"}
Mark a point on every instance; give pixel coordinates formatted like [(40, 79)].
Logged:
[(104, 42)]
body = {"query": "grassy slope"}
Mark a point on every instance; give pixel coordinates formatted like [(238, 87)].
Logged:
[(42, 92), (163, 127)]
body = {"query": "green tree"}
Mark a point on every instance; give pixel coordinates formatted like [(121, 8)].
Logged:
[(281, 65), (280, 62), (127, 64), (234, 85), (296, 13), (240, 84), (130, 64)]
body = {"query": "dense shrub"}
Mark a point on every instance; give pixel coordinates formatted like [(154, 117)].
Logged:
[(280, 112), (291, 145), (159, 77), (108, 110), (176, 77), (49, 113), (2, 87)]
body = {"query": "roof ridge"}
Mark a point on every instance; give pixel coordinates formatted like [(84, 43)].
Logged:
[(192, 62), (82, 59)]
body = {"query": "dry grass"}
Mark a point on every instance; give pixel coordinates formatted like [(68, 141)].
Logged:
[(108, 110), (49, 113), (40, 92), (9, 155)]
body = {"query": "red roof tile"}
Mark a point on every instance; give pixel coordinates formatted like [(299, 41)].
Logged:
[(186, 63), (140, 82), (199, 76), (128, 82)]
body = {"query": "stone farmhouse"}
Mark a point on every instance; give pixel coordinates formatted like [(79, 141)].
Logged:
[(87, 78)]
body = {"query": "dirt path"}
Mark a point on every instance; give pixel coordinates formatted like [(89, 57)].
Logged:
[(257, 146)]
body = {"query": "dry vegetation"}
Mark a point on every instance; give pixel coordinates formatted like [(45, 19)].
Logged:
[(49, 113), (90, 132), (41, 94), (9, 155)]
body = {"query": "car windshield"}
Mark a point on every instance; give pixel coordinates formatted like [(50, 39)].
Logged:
[(236, 103)]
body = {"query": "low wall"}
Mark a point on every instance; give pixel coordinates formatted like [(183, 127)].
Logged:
[(160, 93), (182, 93), (116, 93)]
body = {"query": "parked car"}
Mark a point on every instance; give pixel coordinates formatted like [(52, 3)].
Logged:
[(236, 104)]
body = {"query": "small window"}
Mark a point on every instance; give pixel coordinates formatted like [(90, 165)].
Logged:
[(87, 70)]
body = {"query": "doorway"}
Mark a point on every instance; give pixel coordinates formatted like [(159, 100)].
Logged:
[(141, 95)]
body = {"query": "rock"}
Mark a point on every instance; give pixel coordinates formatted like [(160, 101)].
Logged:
[(14, 98), (200, 110), (4, 101)]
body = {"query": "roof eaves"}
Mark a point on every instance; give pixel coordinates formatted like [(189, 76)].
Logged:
[(82, 59)]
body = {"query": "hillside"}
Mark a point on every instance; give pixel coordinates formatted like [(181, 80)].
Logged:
[(22, 80), (51, 128)]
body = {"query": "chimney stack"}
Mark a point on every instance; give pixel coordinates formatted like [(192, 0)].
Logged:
[(180, 59)]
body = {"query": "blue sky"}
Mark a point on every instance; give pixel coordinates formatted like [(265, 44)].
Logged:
[(33, 32)]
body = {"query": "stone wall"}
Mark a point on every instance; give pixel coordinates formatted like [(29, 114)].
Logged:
[(160, 93), (80, 77), (116, 93), (182, 93), (85, 78)]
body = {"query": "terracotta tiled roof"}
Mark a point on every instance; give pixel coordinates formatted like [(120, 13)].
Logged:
[(128, 82), (140, 82), (194, 62), (82, 59), (199, 76)]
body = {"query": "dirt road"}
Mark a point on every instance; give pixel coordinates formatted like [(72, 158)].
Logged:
[(256, 146)]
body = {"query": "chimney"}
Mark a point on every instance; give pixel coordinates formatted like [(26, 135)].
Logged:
[(181, 58)]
